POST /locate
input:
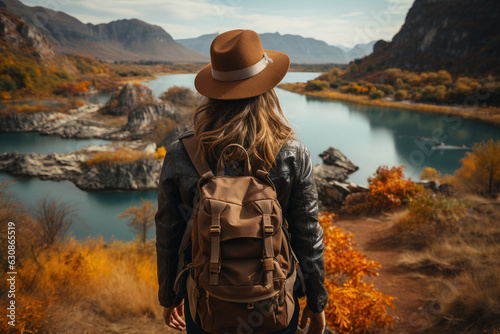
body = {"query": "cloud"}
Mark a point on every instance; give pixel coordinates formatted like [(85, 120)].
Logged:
[(352, 14)]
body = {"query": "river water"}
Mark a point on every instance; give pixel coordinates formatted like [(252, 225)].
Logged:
[(369, 136)]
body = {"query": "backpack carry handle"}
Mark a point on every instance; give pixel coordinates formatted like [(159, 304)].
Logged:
[(220, 164)]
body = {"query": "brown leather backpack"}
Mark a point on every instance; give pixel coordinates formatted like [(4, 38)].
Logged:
[(243, 270)]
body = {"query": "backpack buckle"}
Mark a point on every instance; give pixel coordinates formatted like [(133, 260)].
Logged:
[(214, 229), (215, 267), (268, 229)]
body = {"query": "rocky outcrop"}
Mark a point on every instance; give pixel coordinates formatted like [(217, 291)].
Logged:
[(131, 97), (80, 123), (330, 178), (139, 175), (334, 157), (143, 117), (20, 35), (15, 122), (85, 122), (460, 37)]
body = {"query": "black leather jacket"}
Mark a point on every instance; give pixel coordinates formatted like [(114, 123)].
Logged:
[(296, 193)]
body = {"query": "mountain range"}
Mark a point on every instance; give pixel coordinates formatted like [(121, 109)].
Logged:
[(117, 40), (133, 39), (461, 38), (298, 48)]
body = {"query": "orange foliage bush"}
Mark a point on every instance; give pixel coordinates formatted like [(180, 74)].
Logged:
[(480, 171), (430, 174), (160, 152), (388, 190), (71, 88), (354, 305), (122, 154)]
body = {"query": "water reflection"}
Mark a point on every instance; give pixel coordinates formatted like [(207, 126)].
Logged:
[(411, 135)]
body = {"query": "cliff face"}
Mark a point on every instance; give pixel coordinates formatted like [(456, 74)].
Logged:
[(118, 40), (21, 37), (458, 36)]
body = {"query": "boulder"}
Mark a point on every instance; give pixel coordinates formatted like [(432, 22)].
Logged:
[(330, 178), (334, 157), (131, 97)]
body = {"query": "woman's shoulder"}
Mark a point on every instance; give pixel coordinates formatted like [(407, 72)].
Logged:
[(292, 157), (293, 147)]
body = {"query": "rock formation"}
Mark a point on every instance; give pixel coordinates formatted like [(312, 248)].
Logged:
[(138, 175), (143, 117), (22, 36), (330, 178), (131, 97)]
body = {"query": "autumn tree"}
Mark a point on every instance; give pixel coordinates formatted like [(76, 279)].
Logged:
[(141, 218), (430, 174), (54, 217), (179, 96), (388, 190), (480, 169)]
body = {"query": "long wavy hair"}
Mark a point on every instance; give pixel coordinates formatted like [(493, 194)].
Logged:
[(257, 123)]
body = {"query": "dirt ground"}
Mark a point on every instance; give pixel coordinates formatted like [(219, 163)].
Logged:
[(414, 310)]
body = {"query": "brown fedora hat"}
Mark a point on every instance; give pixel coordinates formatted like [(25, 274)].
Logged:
[(240, 67)]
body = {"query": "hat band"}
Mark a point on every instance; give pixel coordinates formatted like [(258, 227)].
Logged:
[(243, 73)]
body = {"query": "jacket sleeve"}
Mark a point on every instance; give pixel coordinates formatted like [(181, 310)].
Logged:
[(306, 233), (170, 226)]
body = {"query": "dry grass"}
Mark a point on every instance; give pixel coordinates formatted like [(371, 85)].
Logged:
[(111, 121), (90, 287), (120, 155), (464, 264), (78, 286)]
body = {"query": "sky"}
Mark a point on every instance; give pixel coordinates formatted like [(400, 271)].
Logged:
[(337, 22)]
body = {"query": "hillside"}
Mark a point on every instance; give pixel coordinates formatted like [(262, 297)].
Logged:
[(298, 48), (30, 66), (441, 35), (117, 40)]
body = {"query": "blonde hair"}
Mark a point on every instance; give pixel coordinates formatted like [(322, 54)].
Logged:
[(257, 123)]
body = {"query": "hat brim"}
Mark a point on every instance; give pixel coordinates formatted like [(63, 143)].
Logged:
[(260, 83)]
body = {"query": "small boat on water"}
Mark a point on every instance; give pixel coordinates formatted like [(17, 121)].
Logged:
[(443, 146)]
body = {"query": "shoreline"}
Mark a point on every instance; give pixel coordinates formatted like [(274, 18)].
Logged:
[(493, 118)]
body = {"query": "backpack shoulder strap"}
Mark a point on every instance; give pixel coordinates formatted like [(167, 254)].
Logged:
[(191, 145)]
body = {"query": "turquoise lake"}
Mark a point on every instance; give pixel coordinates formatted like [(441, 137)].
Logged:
[(369, 136)]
